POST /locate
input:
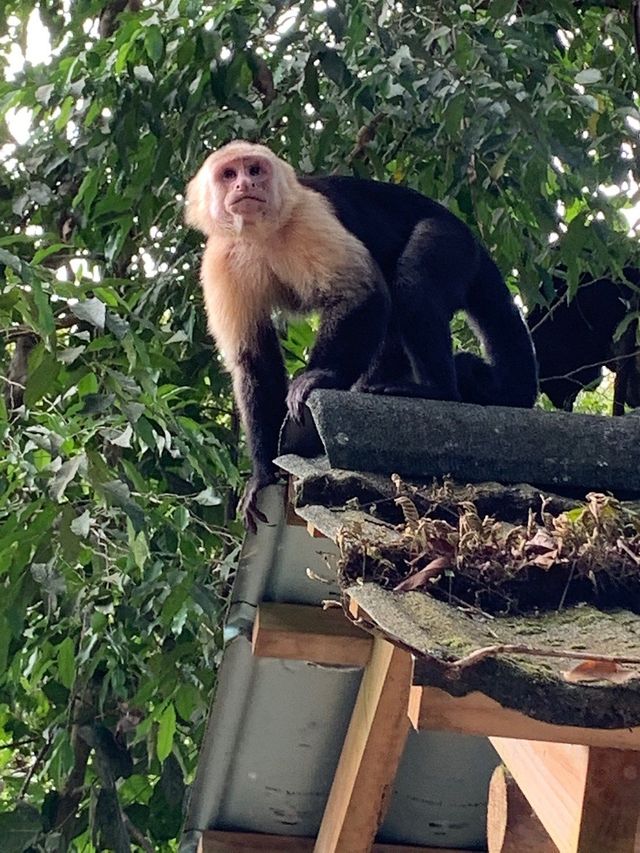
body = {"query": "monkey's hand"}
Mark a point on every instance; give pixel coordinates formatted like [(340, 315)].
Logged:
[(251, 515), (303, 385)]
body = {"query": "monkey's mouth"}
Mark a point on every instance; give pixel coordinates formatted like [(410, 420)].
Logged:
[(249, 198)]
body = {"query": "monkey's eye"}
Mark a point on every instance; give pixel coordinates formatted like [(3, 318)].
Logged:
[(229, 174), (255, 169)]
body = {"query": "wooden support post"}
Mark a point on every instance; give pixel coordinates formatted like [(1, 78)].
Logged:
[(370, 755), (587, 798), (305, 632), (512, 825), (611, 802)]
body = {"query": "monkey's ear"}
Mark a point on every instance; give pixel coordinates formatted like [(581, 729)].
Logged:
[(196, 212)]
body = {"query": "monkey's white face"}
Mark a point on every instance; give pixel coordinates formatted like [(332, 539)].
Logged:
[(243, 187)]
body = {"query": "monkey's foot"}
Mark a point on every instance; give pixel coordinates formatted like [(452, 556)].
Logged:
[(304, 384), (249, 511)]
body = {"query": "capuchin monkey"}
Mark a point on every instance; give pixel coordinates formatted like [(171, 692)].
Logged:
[(575, 339), (386, 267)]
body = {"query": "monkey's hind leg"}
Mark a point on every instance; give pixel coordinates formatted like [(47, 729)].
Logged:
[(432, 276)]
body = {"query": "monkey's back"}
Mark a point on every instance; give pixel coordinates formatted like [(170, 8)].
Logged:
[(382, 216)]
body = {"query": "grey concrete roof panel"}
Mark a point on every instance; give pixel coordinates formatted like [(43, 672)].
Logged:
[(426, 438)]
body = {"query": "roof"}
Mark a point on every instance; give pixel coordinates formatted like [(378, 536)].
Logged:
[(276, 727)]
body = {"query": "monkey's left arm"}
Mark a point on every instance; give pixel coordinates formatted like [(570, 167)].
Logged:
[(260, 386), (350, 336)]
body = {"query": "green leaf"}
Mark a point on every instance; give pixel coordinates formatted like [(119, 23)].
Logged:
[(66, 663), (500, 8), (65, 113), (166, 731), (334, 67), (13, 262), (43, 94), (5, 639), (88, 189), (181, 517), (187, 700), (589, 75), (124, 438), (82, 524), (143, 74), (154, 44), (42, 379), (140, 550), (64, 475), (337, 22), (92, 311), (208, 497), (19, 828)]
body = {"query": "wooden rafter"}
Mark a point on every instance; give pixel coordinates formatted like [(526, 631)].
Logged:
[(583, 784), (370, 755), (302, 632), (216, 841), (512, 824), (477, 714)]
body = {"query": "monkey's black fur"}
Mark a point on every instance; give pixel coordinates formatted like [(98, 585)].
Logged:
[(433, 267), (395, 338), (574, 339)]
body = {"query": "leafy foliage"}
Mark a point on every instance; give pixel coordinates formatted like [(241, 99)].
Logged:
[(120, 461)]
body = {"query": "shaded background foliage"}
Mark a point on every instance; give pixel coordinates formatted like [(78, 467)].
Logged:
[(121, 460)]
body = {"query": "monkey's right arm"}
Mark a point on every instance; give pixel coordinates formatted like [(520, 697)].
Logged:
[(349, 339), (260, 386)]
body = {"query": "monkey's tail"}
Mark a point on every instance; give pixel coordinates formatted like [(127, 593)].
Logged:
[(509, 375)]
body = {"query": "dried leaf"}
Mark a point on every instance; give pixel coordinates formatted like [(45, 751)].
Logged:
[(542, 541), (409, 510), (545, 561), (599, 670), (430, 572)]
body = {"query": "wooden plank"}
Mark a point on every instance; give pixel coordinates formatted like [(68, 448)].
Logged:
[(291, 516), (587, 799), (370, 755), (551, 776), (215, 841), (313, 531), (512, 825), (305, 632), (611, 803), (477, 714)]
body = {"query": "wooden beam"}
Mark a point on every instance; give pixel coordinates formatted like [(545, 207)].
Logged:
[(611, 803), (370, 755), (291, 516), (587, 799), (477, 714), (313, 531), (512, 825), (216, 841), (305, 632)]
